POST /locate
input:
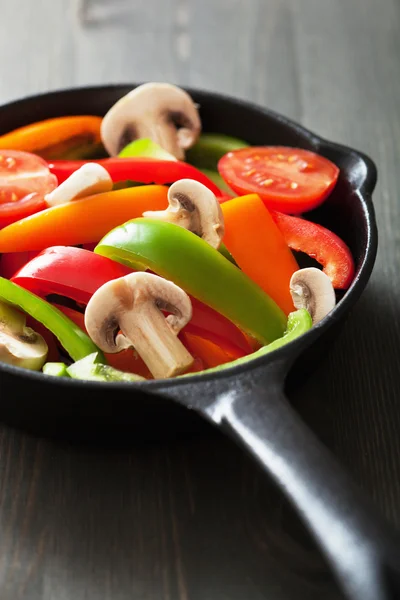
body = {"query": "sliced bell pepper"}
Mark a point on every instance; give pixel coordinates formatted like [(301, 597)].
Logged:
[(145, 148), (70, 272), (54, 138), (299, 322), (211, 325), (11, 262), (144, 170), (221, 183), (71, 337), (210, 147), (177, 254), (76, 274), (210, 354), (258, 247), (319, 243), (82, 221)]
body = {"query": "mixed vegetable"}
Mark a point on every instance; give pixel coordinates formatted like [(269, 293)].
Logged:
[(136, 247)]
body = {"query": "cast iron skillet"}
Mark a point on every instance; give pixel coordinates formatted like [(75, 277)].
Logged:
[(246, 402)]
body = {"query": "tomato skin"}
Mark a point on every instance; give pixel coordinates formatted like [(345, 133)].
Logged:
[(24, 181), (290, 180), (25, 207)]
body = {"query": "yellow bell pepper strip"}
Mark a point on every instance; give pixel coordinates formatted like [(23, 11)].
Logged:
[(68, 137), (299, 322), (258, 247), (82, 221), (180, 256), (71, 337)]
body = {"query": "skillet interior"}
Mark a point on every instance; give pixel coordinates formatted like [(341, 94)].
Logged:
[(51, 406)]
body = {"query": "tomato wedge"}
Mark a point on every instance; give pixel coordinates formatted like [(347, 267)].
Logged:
[(290, 180), (24, 181)]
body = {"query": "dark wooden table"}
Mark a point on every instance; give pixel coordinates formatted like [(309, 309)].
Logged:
[(194, 519)]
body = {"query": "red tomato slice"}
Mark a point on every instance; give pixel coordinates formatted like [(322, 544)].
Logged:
[(24, 181), (290, 180)]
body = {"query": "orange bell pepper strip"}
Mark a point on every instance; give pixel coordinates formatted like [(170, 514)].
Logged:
[(53, 138), (82, 221), (209, 353), (259, 248)]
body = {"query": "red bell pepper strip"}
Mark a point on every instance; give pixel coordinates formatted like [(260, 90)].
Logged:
[(211, 325), (319, 243), (11, 262), (68, 271), (76, 274), (143, 170)]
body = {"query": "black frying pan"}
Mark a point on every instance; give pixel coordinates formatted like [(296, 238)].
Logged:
[(247, 402)]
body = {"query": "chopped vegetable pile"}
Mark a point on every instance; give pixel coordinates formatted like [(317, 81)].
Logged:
[(136, 247)]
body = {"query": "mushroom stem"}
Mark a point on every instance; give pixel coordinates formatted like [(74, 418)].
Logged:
[(153, 339)]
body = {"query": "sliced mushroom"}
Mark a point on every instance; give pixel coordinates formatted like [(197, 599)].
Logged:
[(90, 179), (193, 206), (133, 305), (312, 289), (20, 345), (159, 111)]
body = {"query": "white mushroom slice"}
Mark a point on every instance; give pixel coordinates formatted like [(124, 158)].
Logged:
[(133, 304), (159, 111), (89, 179), (193, 206), (313, 290), (20, 345)]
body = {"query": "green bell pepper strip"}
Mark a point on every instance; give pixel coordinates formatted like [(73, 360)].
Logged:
[(217, 179), (72, 338), (299, 322), (55, 369), (91, 368), (179, 255), (210, 147), (147, 148)]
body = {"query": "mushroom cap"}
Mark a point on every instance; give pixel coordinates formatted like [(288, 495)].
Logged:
[(131, 297), (312, 289), (193, 206), (160, 111), (20, 346)]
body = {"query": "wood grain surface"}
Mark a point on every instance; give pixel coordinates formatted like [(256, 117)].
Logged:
[(194, 519)]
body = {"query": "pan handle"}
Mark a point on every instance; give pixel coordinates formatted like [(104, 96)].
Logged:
[(363, 551)]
